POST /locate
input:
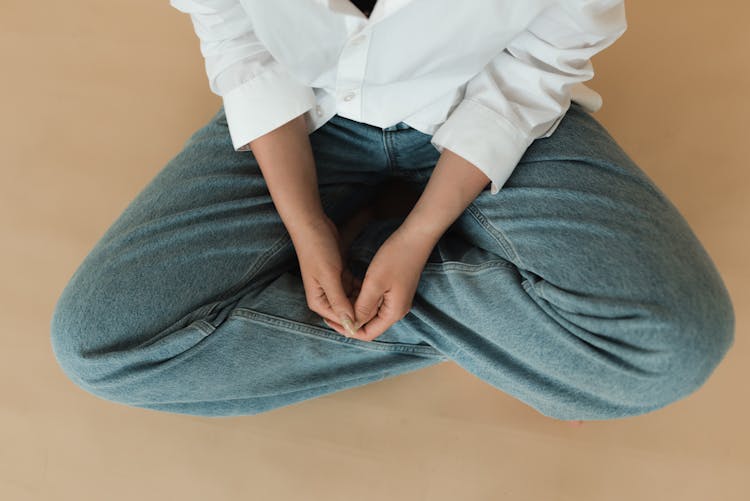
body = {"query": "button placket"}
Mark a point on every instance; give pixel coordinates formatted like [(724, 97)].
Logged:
[(351, 72), (358, 39)]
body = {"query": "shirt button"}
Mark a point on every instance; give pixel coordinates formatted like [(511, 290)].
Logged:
[(358, 40), (349, 96), (319, 110)]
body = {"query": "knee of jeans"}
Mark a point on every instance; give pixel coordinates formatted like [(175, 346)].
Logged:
[(692, 341), (77, 344), (688, 338), (698, 331), (68, 345)]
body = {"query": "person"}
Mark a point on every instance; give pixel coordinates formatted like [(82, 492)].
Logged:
[(538, 256)]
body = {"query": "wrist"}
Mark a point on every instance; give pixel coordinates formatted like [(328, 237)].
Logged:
[(422, 228), (421, 235), (312, 222)]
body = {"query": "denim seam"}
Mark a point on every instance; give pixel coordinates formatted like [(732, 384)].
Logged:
[(198, 317), (363, 254), (178, 327), (466, 267), (387, 144), (321, 333), (281, 243), (205, 326), (496, 233)]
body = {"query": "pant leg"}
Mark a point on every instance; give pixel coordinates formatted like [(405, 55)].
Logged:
[(579, 289), (192, 301)]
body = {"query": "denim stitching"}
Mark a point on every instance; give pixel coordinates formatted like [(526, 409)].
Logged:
[(363, 254), (387, 145), (205, 326), (495, 232), (281, 243), (320, 333), (467, 267)]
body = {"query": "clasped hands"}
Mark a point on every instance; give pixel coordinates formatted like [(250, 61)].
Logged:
[(374, 304)]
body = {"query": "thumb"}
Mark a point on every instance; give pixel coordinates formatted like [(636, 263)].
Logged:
[(368, 301), (340, 304)]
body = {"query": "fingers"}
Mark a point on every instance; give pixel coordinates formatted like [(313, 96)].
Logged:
[(361, 333), (318, 302), (378, 308), (375, 311), (391, 309), (327, 298), (336, 326), (340, 308), (369, 300)]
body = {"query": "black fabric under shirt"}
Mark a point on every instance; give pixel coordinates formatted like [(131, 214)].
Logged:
[(365, 6)]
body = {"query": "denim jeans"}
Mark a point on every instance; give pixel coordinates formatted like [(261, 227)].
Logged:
[(578, 289)]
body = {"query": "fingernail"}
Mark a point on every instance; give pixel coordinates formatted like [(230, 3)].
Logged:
[(348, 325)]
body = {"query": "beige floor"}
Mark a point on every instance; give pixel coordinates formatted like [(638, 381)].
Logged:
[(97, 96)]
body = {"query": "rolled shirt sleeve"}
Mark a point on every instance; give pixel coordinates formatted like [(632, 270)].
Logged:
[(524, 92), (258, 93)]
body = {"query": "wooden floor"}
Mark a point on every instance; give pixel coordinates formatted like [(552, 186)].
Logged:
[(98, 96)]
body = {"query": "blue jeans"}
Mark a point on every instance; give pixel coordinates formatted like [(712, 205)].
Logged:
[(578, 289)]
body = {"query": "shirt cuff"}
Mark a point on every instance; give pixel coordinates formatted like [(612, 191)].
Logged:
[(264, 103), (488, 140)]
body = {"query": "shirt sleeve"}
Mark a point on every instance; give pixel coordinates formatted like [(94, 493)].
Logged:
[(258, 93), (523, 93)]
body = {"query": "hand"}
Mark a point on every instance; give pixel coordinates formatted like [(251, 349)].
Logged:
[(328, 286), (391, 280)]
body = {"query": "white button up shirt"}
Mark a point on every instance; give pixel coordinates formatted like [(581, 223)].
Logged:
[(484, 78)]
